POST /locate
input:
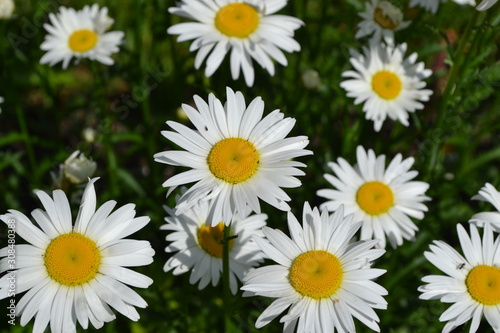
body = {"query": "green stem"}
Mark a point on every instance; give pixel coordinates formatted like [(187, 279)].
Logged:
[(107, 128), (225, 278), (449, 89), (27, 141)]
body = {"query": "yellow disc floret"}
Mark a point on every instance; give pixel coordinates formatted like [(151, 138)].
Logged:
[(237, 20), (375, 198), (387, 85), (483, 284), (72, 259), (82, 40), (210, 239), (382, 18), (316, 274), (233, 160)]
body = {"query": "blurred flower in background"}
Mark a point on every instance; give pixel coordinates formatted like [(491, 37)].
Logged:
[(380, 20), (1, 101), (246, 29), (311, 79), (6, 9), (433, 5), (80, 34), (486, 4)]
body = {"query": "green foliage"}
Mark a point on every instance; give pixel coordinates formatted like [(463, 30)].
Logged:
[(127, 104)]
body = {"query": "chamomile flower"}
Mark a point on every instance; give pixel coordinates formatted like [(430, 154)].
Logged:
[(472, 283), (198, 247), (77, 168), (235, 156), (320, 275), (486, 4), (246, 28), (388, 84), (80, 34), (6, 9), (433, 5), (381, 198), (489, 194), (380, 19), (76, 272)]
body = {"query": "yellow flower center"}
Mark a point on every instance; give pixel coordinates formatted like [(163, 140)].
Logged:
[(210, 239), (82, 40), (316, 274), (375, 198), (483, 284), (383, 19), (386, 84), (233, 160), (72, 259), (237, 20)]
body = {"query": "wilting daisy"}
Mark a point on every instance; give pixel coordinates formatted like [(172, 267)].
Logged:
[(387, 84), (381, 198), (486, 4), (198, 247), (320, 275), (80, 34), (489, 194), (76, 272), (471, 283), (246, 28), (77, 169), (235, 156), (433, 5), (6, 9), (381, 19)]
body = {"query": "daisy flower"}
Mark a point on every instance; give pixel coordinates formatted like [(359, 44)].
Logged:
[(471, 283), (75, 272), (381, 198), (80, 34), (235, 156), (489, 194), (320, 275), (198, 247), (380, 19), (486, 4), (246, 28), (6, 9), (433, 5), (388, 84)]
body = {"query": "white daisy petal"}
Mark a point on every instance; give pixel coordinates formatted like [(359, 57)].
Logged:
[(198, 247), (246, 157), (381, 198), (387, 84), (254, 33), (489, 194), (80, 34), (320, 294), (69, 273), (472, 284)]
